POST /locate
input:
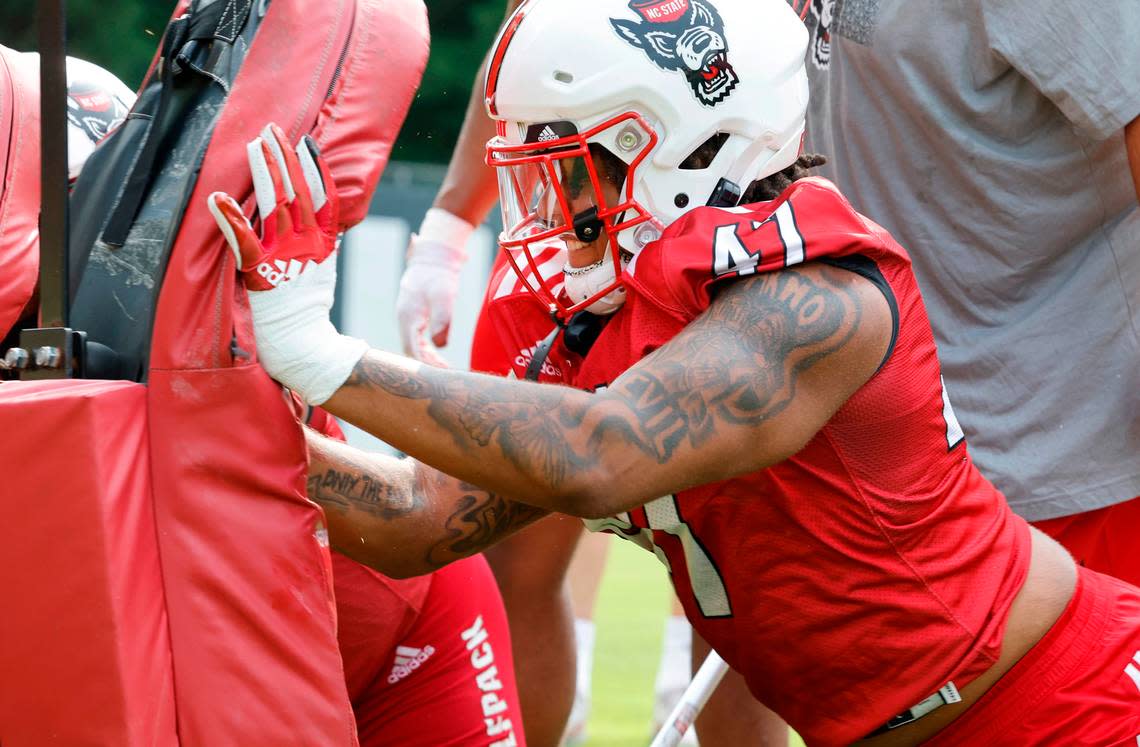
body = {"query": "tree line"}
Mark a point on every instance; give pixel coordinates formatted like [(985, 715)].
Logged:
[(122, 36)]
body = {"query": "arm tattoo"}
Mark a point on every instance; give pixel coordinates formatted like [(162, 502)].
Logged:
[(739, 363), (479, 520), (352, 488), (528, 423)]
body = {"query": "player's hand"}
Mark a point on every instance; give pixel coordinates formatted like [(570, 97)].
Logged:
[(290, 270), (430, 284)]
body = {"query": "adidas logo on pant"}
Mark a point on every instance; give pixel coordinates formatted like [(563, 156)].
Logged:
[(408, 660)]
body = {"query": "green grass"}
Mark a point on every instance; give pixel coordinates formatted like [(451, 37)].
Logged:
[(632, 605)]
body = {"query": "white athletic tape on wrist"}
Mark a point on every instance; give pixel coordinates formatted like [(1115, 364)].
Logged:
[(441, 240), (296, 342)]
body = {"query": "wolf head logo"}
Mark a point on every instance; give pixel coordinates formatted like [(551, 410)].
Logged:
[(686, 36), (94, 110)]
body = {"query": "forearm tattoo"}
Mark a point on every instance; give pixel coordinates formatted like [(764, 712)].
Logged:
[(739, 363), (476, 518), (352, 488), (479, 520)]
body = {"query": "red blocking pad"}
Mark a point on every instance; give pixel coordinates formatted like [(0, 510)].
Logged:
[(84, 642), (19, 182), (246, 564)]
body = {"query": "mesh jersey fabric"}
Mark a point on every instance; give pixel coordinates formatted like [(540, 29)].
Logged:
[(879, 548)]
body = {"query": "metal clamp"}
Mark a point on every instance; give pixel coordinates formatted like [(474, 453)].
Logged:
[(48, 353)]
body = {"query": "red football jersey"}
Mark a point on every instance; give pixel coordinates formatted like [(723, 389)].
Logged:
[(856, 578)]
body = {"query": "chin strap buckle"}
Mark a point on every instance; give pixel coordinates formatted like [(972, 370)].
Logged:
[(588, 226)]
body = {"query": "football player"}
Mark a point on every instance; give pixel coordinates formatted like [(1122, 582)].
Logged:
[(738, 375), (533, 568)]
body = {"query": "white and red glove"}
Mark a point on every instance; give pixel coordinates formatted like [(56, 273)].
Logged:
[(430, 284), (290, 272)]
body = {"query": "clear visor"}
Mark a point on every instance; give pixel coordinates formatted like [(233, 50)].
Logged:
[(542, 192)]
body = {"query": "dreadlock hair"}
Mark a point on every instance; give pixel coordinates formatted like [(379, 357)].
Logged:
[(771, 186)]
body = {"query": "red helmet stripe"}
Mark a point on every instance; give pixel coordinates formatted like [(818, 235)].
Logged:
[(496, 62)]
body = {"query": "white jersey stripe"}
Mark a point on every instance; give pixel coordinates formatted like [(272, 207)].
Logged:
[(790, 234), (954, 432), (704, 578), (1134, 673)]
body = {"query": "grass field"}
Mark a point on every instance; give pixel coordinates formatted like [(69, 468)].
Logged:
[(632, 605)]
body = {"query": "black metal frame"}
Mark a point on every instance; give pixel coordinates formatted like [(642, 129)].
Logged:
[(52, 351), (54, 296)]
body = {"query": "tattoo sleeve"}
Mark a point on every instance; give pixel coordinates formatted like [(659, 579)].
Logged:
[(667, 420), (476, 518), (350, 486), (401, 517)]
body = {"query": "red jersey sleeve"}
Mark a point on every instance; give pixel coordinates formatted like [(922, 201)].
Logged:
[(811, 220)]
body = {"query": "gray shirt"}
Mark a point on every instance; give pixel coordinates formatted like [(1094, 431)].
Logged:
[(986, 135)]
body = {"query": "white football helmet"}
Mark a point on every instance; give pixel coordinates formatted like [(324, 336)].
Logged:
[(673, 104), (97, 102)]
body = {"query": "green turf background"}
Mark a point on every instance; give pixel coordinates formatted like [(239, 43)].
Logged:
[(632, 604)]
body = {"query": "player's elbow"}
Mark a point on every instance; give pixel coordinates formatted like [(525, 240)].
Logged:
[(596, 510), (602, 493), (583, 504)]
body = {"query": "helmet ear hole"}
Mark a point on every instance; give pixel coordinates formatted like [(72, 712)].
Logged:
[(703, 156)]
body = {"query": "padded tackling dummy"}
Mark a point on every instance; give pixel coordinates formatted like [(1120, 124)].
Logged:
[(244, 554), (19, 183), (78, 552), (84, 642)]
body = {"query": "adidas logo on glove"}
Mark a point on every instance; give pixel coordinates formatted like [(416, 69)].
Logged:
[(279, 271)]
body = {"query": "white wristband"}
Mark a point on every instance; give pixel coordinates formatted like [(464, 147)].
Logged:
[(441, 229), (296, 342)]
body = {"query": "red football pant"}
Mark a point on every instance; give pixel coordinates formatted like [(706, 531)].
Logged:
[(427, 660), (1103, 540), (1080, 685)]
